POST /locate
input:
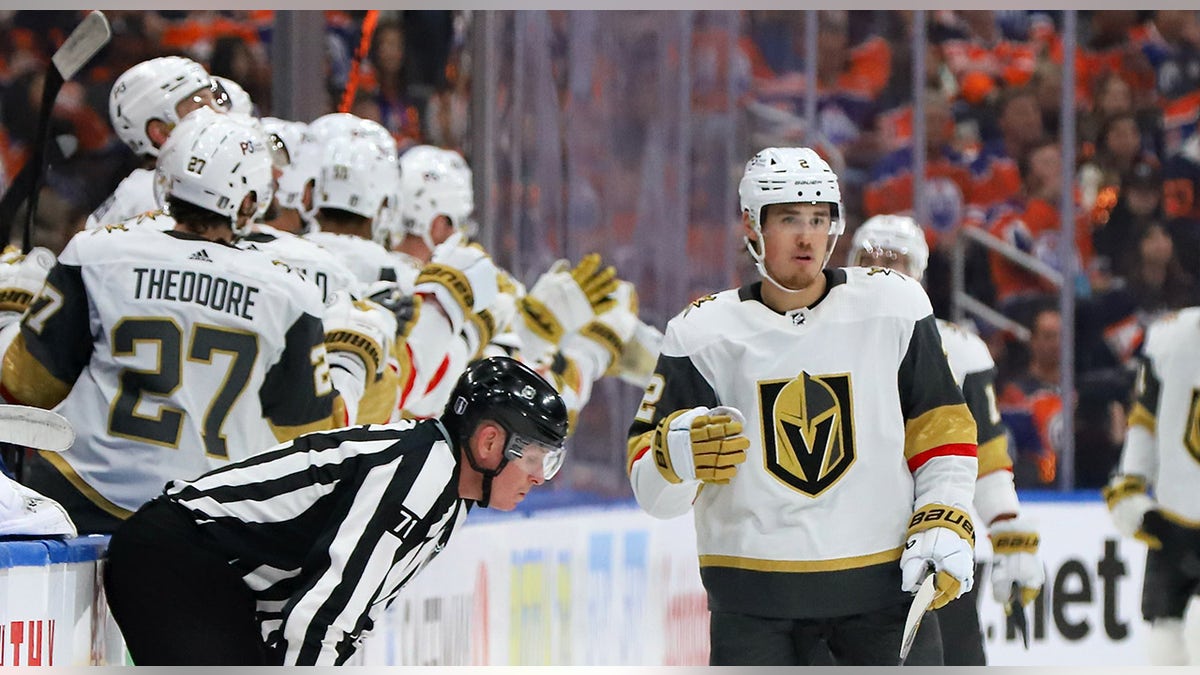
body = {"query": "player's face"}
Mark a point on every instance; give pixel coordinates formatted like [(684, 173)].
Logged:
[(795, 240)]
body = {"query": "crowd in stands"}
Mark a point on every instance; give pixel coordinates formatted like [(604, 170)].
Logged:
[(992, 106)]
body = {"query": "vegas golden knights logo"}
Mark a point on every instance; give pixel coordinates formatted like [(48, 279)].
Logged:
[(807, 430)]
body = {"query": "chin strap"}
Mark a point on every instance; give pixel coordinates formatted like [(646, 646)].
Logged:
[(762, 268), (488, 474)]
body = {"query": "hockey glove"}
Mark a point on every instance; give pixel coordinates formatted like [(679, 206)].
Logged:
[(22, 278), (602, 339), (561, 302), (1015, 560), (462, 279), (942, 537), (700, 444), (1128, 504)]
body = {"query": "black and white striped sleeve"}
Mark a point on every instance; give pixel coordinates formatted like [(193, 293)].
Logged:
[(383, 537)]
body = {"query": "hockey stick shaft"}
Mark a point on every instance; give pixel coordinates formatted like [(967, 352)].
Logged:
[(364, 46), (80, 46)]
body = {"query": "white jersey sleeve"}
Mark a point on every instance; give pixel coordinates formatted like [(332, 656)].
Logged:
[(134, 195)]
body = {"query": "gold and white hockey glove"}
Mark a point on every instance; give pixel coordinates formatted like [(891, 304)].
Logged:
[(941, 537), (601, 341), (561, 302), (462, 279), (700, 444), (1128, 505), (639, 355), (21, 279), (1015, 560), (359, 337)]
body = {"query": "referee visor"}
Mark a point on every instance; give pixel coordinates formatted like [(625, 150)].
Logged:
[(532, 455)]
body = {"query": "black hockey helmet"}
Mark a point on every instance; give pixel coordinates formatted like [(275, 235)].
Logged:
[(517, 398)]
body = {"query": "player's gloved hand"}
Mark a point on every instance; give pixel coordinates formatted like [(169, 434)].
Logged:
[(639, 355), (403, 306), (22, 277), (461, 278), (562, 301), (700, 444), (602, 339), (1015, 560), (359, 338), (943, 537), (1128, 504)]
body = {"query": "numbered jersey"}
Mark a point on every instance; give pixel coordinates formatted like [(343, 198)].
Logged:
[(310, 260), (1166, 414), (133, 196), (171, 355), (853, 417)]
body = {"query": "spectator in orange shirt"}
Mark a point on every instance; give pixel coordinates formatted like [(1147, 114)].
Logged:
[(1034, 228), (994, 174)]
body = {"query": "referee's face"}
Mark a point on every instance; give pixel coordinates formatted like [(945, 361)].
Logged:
[(514, 482)]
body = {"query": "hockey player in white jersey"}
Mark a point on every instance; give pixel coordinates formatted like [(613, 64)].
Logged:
[(1153, 495), (172, 352), (898, 243), (145, 103), (812, 424)]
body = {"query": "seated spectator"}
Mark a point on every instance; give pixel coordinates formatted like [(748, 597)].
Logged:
[(1030, 404), (398, 111), (1155, 276), (1119, 147), (1181, 182), (1033, 227), (1137, 204), (995, 176)]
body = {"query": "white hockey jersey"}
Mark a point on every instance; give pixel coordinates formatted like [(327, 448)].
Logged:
[(171, 355), (975, 372), (369, 260), (134, 195), (854, 419), (1163, 442), (313, 262)]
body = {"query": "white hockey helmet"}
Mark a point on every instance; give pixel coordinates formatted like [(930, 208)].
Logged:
[(152, 90), (353, 176), (231, 96), (288, 136), (887, 234), (434, 182), (788, 176), (213, 161)]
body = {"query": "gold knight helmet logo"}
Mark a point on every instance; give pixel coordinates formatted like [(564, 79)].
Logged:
[(807, 430)]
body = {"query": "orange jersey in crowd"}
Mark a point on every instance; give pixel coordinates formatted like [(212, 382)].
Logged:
[(1036, 232)]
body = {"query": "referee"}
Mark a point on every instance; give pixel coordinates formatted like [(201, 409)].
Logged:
[(289, 556)]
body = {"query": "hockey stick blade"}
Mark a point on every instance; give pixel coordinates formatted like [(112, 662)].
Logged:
[(1016, 612), (916, 611), (35, 428), (81, 45)]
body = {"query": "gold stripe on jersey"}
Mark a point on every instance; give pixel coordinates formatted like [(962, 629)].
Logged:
[(1179, 520), (830, 565), (941, 426), (28, 381), (284, 433), (636, 445), (379, 399), (993, 456), (86, 490), (1140, 416)]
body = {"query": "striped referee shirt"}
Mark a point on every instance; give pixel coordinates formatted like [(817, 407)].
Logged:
[(326, 529)]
